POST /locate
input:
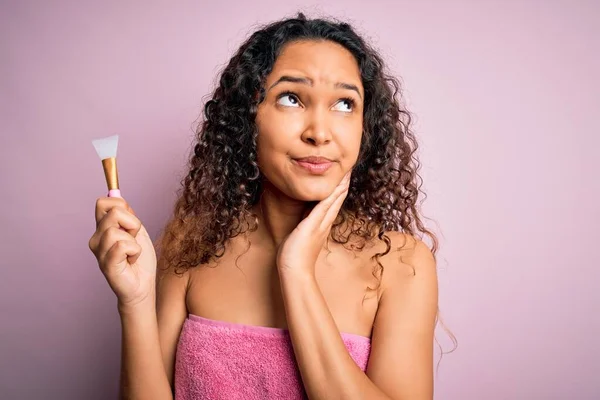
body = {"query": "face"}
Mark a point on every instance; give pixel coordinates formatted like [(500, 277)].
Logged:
[(310, 122)]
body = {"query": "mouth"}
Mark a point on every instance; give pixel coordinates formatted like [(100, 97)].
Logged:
[(313, 164)]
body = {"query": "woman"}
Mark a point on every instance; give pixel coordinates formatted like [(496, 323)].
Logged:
[(302, 190)]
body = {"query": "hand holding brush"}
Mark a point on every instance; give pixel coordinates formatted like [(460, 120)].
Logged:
[(121, 244)]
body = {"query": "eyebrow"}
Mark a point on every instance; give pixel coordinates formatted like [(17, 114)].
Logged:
[(309, 82)]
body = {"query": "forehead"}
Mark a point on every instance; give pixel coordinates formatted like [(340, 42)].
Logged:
[(325, 62)]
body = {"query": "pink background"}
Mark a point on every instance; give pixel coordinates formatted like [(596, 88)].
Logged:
[(505, 96)]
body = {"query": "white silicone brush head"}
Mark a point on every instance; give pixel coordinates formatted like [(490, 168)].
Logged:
[(106, 147)]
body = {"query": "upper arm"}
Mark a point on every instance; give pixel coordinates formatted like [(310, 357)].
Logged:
[(401, 360), (171, 313)]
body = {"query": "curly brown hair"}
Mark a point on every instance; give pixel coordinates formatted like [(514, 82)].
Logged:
[(224, 181)]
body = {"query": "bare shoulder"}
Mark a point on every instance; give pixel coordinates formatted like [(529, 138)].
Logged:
[(401, 360), (409, 259)]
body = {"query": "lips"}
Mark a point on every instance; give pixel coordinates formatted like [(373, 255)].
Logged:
[(314, 159), (314, 164)]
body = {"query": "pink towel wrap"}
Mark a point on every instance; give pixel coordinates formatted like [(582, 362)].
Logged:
[(222, 360)]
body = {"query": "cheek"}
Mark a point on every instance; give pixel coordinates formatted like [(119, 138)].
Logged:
[(277, 131), (264, 152), (350, 145), (272, 144)]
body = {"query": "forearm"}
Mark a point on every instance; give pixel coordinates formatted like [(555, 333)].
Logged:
[(327, 369), (143, 374)]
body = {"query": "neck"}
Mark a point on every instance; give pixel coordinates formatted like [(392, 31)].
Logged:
[(278, 215)]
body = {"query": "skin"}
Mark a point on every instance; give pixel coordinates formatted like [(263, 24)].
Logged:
[(286, 279), (315, 121)]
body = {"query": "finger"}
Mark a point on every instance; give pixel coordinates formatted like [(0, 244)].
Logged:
[(104, 204), (315, 216), (323, 207), (120, 255), (121, 218), (108, 239), (334, 210), (118, 218)]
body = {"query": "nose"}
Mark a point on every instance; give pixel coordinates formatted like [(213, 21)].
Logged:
[(318, 131)]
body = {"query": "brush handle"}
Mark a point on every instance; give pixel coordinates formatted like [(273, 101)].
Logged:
[(114, 193)]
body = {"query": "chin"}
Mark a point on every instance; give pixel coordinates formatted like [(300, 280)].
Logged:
[(311, 197), (313, 191)]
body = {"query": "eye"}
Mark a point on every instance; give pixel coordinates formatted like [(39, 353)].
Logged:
[(292, 100), (347, 102)]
